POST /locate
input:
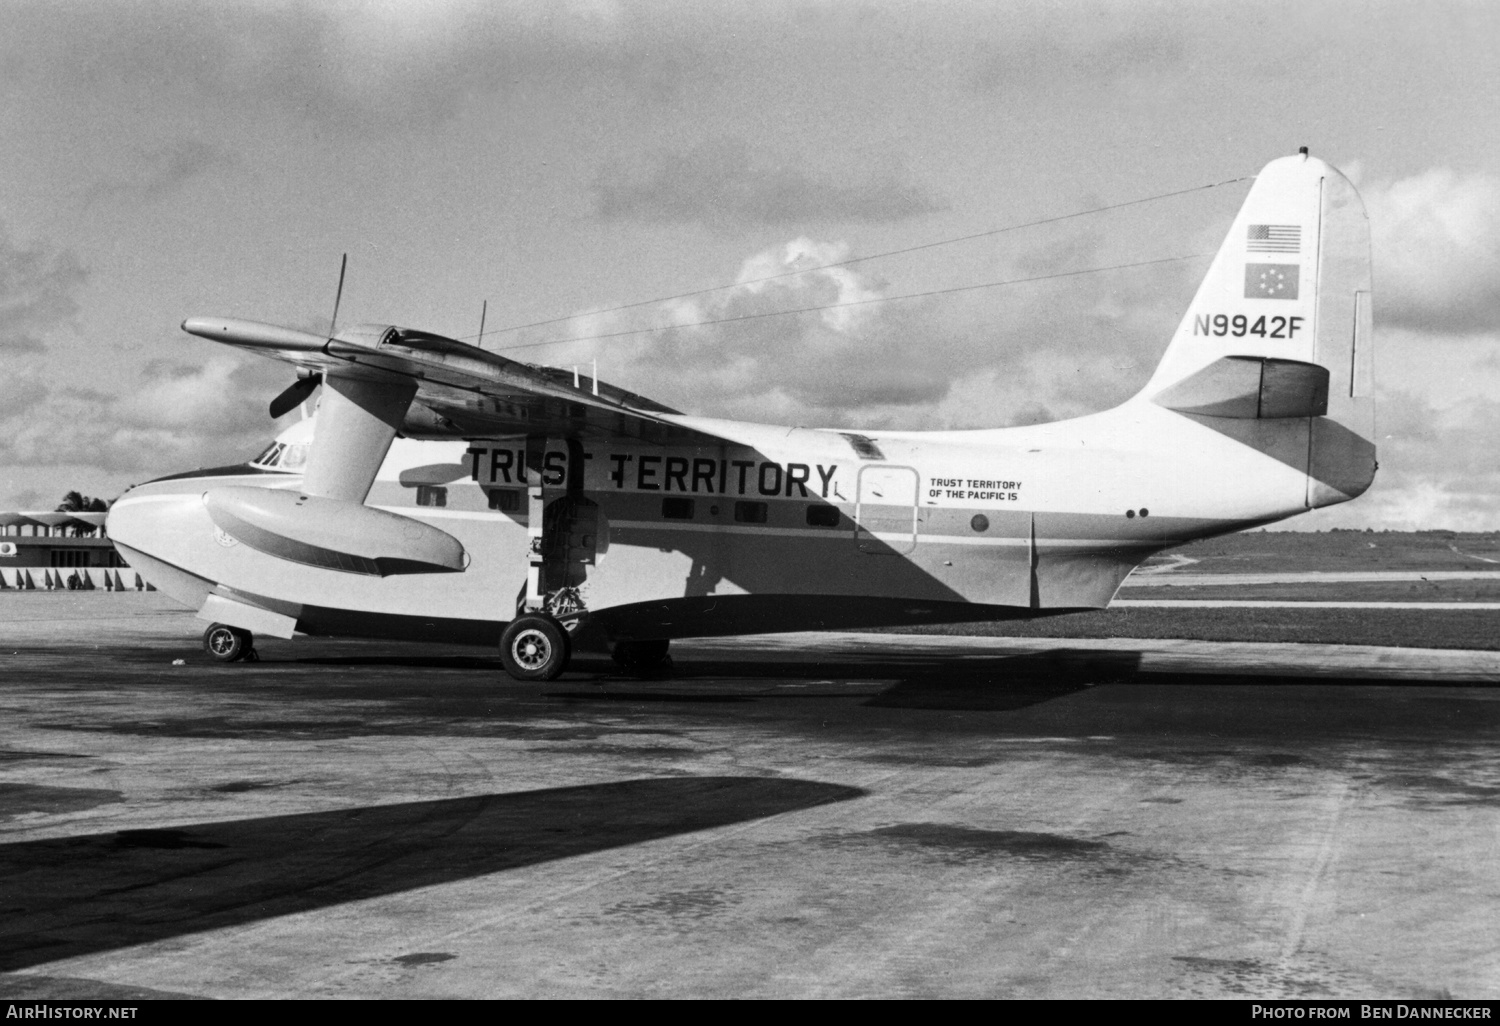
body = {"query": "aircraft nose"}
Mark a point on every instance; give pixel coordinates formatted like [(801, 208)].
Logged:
[(130, 521), (168, 539)]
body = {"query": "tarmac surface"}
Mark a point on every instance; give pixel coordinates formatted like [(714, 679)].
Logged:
[(1170, 577), (1455, 607), (797, 816)]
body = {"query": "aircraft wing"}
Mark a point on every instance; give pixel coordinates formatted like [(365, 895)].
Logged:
[(462, 391)]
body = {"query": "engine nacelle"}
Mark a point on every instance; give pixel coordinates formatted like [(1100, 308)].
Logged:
[(333, 534)]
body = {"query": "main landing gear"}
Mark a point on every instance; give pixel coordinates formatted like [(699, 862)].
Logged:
[(535, 647), (229, 644)]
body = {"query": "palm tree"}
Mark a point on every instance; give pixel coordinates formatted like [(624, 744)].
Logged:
[(77, 502)]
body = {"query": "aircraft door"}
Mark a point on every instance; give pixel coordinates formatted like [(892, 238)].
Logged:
[(885, 510)]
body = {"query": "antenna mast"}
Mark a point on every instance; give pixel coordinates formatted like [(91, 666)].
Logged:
[(338, 296)]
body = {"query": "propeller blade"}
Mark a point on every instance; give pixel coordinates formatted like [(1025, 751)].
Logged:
[(295, 394)]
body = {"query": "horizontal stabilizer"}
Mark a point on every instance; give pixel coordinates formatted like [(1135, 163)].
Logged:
[(1251, 388)]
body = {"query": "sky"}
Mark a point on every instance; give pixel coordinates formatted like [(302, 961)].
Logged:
[(559, 161)]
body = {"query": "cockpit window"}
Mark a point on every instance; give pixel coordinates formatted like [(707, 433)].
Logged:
[(280, 456)]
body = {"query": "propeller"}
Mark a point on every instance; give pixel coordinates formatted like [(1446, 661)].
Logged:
[(296, 393)]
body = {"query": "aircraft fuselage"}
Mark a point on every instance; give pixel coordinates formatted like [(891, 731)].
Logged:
[(808, 527)]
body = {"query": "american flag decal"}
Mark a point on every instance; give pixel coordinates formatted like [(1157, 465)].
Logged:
[(1273, 238)]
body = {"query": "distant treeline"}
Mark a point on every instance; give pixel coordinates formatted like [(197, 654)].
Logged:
[(1434, 532)]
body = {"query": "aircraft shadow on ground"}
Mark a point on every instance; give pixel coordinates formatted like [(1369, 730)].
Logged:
[(77, 895), (922, 681), (1016, 682)]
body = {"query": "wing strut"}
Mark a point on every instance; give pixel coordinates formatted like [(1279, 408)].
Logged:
[(356, 424)]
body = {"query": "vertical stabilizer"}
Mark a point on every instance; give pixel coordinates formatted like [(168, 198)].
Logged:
[(1276, 348)]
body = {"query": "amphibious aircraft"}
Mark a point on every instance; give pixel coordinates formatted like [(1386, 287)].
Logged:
[(444, 492)]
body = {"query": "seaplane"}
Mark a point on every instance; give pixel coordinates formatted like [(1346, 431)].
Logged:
[(444, 492)]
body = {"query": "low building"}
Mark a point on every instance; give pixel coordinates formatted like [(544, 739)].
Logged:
[(54, 549)]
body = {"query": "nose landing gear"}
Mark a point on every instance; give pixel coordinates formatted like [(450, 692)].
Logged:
[(228, 644)]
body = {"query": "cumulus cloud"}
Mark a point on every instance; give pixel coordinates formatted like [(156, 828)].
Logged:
[(812, 367), (37, 288), (179, 417), (1437, 468), (980, 359), (724, 183), (1436, 241)]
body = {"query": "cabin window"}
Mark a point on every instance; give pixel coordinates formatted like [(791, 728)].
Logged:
[(677, 509), (823, 516), (432, 495), (506, 500), (750, 512)]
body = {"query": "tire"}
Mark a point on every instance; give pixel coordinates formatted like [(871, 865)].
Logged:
[(641, 656), (535, 647), (228, 644)]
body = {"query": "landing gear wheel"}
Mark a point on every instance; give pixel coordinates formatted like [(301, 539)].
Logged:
[(640, 656), (228, 644), (535, 647)]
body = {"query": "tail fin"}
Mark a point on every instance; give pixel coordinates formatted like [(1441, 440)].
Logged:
[(1277, 348)]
